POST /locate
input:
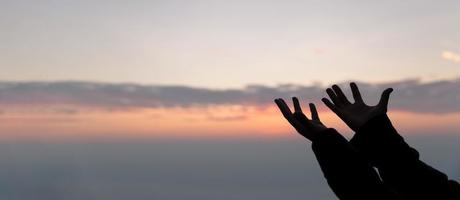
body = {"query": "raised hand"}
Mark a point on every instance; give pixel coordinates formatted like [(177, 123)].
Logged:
[(304, 126), (358, 113)]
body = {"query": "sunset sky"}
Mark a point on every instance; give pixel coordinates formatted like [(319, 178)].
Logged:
[(211, 68)]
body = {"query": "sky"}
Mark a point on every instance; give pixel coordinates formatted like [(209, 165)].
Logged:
[(210, 68), (228, 44), (173, 99)]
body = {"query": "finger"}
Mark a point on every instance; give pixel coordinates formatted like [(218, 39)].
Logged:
[(356, 93), (297, 107), (383, 103), (314, 112), (298, 114), (284, 108), (329, 104), (340, 95), (333, 97)]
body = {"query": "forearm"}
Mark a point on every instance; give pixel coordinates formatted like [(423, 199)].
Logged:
[(398, 163), (381, 144), (347, 173)]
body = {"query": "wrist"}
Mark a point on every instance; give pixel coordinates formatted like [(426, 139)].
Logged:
[(374, 122), (360, 123)]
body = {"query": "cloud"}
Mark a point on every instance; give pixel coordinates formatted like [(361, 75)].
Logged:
[(410, 95), (451, 56)]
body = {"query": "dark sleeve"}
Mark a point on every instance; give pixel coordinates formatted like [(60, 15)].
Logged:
[(347, 173), (399, 165)]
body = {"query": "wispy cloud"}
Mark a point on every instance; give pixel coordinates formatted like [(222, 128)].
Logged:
[(409, 95), (451, 56)]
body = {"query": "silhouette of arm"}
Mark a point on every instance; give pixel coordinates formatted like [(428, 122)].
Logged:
[(347, 173), (399, 164), (379, 142)]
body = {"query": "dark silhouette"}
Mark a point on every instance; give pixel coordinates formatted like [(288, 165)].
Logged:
[(350, 166)]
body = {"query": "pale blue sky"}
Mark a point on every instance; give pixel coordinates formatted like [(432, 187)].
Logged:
[(218, 44)]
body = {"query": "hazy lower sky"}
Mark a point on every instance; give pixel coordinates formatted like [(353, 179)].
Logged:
[(221, 44)]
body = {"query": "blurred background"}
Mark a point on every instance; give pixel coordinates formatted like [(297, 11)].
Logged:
[(172, 99)]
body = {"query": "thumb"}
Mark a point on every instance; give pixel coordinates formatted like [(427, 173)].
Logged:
[(385, 98)]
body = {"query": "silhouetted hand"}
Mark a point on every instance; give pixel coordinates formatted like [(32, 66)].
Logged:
[(306, 127), (358, 113)]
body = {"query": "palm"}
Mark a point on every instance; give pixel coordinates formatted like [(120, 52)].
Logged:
[(348, 114), (358, 113), (308, 128)]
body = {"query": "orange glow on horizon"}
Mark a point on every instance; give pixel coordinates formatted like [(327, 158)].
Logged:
[(194, 122)]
